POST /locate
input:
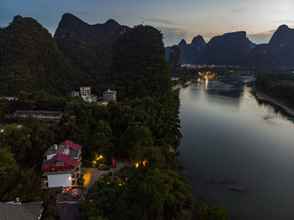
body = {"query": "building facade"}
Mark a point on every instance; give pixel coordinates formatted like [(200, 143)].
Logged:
[(110, 95), (85, 91), (62, 165), (86, 94)]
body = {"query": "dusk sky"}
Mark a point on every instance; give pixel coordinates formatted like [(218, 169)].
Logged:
[(175, 18)]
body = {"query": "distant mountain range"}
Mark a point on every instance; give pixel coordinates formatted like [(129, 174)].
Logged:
[(81, 54), (236, 49)]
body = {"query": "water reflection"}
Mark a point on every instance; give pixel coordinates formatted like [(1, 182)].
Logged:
[(219, 92), (239, 154)]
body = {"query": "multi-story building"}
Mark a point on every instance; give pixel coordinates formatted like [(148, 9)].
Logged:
[(85, 91), (62, 165), (86, 94)]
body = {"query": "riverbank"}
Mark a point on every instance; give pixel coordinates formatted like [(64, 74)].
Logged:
[(281, 105)]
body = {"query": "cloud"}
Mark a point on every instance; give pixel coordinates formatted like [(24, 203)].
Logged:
[(285, 21), (238, 10), (160, 21), (173, 35), (262, 37)]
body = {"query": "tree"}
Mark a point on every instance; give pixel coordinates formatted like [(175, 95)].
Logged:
[(139, 68), (153, 195), (7, 162), (102, 134), (136, 140), (8, 170), (28, 142), (205, 212)]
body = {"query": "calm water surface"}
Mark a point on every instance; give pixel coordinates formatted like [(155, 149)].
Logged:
[(238, 153)]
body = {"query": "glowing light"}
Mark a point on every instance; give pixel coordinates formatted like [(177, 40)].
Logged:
[(145, 163), (87, 179), (99, 157), (206, 84)]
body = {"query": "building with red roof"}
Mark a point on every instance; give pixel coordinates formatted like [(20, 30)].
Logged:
[(62, 165)]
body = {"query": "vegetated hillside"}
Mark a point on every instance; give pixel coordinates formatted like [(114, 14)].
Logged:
[(139, 66), (30, 60), (89, 47)]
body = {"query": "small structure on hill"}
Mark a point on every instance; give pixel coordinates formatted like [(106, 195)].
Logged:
[(110, 95), (85, 93)]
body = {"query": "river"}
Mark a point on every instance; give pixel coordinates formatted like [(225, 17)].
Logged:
[(237, 152)]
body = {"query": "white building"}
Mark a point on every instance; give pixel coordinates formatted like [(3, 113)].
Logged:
[(62, 165), (85, 91), (110, 95), (86, 94), (75, 94)]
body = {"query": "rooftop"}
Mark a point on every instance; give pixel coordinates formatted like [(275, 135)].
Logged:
[(63, 157), (17, 211)]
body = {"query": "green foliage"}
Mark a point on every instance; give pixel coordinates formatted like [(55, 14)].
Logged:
[(89, 47), (205, 212), (7, 162), (139, 68), (91, 212), (3, 109), (154, 194), (137, 140), (26, 145), (17, 181), (30, 60)]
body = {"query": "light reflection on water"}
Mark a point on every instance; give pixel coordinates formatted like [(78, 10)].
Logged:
[(232, 141)]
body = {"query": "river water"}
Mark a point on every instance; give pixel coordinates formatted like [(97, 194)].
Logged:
[(237, 152)]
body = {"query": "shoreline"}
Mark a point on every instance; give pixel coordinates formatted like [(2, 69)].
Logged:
[(276, 103)]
